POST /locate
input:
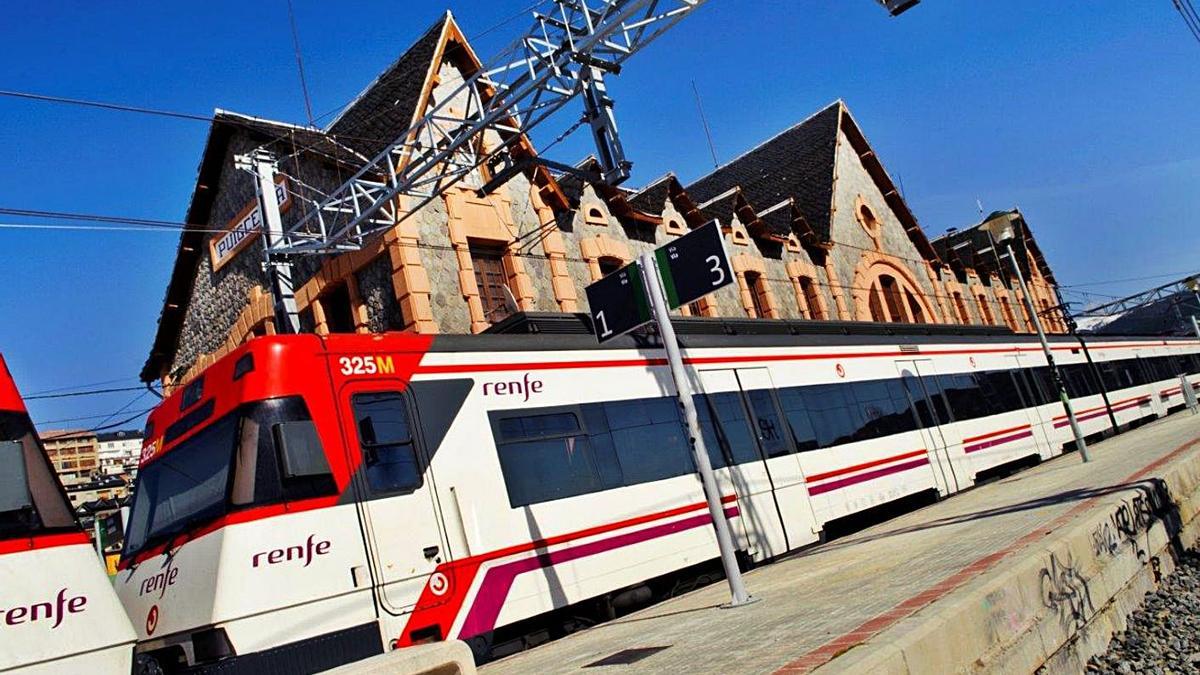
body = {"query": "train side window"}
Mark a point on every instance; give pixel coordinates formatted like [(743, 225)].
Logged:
[(962, 395), (803, 434), (999, 391), (388, 447), (835, 417), (544, 457), (631, 429), (880, 412)]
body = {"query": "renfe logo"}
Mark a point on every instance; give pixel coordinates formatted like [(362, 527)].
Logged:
[(40, 611), (307, 552), (514, 388), (161, 581)]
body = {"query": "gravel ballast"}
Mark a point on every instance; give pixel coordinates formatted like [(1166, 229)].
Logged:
[(1163, 636)]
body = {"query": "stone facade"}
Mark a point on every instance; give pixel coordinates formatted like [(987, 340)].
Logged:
[(866, 260)]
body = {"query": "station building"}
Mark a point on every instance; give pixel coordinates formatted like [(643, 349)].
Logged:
[(815, 227)]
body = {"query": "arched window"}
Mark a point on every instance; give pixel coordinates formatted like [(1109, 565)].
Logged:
[(876, 306), (1009, 317), (914, 307), (984, 310), (609, 264), (758, 295), (961, 306), (892, 299), (887, 291), (812, 298), (594, 216)]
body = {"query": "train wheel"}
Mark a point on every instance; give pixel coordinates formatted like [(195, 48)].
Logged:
[(481, 647), (144, 664)]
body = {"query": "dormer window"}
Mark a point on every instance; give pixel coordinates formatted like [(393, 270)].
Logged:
[(595, 216)]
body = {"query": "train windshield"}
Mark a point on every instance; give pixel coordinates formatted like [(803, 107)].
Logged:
[(262, 453), (31, 500)]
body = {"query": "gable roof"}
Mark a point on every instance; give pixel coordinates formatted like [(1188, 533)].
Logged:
[(895, 200), (387, 107), (797, 164), (972, 247), (190, 251), (389, 104)]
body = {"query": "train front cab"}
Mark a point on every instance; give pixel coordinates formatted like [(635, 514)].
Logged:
[(58, 613), (282, 522)]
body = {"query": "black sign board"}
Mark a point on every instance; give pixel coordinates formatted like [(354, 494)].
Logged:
[(694, 265), (618, 303)]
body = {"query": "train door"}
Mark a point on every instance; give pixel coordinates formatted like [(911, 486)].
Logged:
[(779, 452), (1154, 406), (733, 445), (394, 488), (920, 383), (1033, 397)]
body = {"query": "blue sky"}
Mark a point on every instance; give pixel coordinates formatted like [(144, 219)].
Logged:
[(1081, 113)]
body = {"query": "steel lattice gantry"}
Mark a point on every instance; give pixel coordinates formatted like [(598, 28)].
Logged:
[(568, 52), (1188, 284)]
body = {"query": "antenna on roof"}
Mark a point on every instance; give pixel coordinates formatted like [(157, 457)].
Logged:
[(300, 64), (704, 121)]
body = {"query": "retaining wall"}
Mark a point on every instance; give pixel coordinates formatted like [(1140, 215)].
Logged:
[(1061, 594)]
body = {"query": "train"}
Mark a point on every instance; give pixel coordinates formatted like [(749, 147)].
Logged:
[(58, 610), (308, 500)]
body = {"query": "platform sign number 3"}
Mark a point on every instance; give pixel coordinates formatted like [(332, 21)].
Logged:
[(694, 265), (691, 267)]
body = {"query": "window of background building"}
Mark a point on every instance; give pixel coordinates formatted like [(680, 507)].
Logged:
[(488, 262)]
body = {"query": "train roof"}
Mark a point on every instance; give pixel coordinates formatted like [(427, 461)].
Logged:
[(537, 331), (10, 398)]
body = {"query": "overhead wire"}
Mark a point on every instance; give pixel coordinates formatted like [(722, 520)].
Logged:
[(300, 62), (44, 423), (77, 394), (125, 407), (1190, 17), (76, 387)]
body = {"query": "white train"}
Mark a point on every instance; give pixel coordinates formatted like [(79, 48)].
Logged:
[(310, 501), (58, 612)]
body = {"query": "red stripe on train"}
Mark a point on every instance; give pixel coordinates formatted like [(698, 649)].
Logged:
[(43, 541)]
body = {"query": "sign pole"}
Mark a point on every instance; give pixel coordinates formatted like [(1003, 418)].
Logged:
[(683, 387)]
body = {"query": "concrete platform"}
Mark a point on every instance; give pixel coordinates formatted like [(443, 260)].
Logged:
[(1038, 568)]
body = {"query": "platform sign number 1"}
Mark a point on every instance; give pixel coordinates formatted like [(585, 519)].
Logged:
[(618, 303), (694, 265)]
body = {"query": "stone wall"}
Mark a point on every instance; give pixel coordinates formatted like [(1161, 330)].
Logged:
[(419, 275)]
